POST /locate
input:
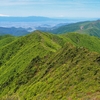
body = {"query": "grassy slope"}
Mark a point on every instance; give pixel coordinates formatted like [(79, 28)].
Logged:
[(90, 42), (91, 28), (43, 66), (67, 76), (17, 55), (6, 39)]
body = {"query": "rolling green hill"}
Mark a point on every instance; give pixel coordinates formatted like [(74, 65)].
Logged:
[(43, 66), (88, 27)]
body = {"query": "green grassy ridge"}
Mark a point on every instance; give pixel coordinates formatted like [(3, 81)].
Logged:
[(89, 27), (68, 28), (64, 75), (45, 66), (9, 50), (25, 48), (83, 40)]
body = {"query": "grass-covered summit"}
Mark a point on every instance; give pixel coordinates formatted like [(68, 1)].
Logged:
[(43, 66)]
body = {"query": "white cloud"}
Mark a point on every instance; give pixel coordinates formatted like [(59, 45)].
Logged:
[(4, 15), (28, 2)]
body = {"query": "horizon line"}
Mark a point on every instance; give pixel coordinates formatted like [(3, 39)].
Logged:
[(48, 16)]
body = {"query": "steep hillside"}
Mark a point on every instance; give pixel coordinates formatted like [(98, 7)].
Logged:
[(89, 27), (35, 40), (43, 66)]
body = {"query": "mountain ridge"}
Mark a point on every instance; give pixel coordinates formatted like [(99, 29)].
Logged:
[(87, 27), (46, 66)]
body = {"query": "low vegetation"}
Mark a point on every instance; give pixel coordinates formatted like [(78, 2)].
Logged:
[(43, 66)]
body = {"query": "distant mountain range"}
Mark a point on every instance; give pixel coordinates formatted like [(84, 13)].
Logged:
[(44, 66), (14, 31), (87, 27), (56, 26), (29, 19)]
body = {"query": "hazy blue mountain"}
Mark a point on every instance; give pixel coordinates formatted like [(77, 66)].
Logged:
[(39, 19), (14, 31), (48, 27), (28, 19)]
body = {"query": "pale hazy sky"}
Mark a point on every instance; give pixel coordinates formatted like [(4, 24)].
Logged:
[(50, 8)]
